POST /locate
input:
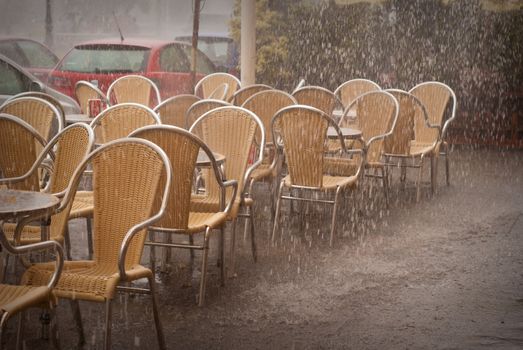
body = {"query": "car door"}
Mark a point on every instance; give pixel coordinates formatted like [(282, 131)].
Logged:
[(12, 81)]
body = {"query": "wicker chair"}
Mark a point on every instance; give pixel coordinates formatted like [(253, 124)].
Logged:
[(200, 108), (397, 146), (18, 142), (38, 113), (241, 95), (173, 110), (120, 120), (210, 82), (134, 89), (230, 131), (52, 100), (377, 112), (16, 299), (126, 177), (182, 148), (220, 92), (351, 89), (265, 104), (317, 97), (70, 147), (85, 91), (430, 141), (303, 130)]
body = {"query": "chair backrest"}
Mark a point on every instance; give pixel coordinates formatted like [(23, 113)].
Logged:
[(200, 108), (126, 180), (240, 96), (19, 153), (317, 97), (220, 93), (173, 110), (303, 131), (351, 89), (134, 89), (377, 114), (71, 146), (86, 91), (182, 149), (210, 82), (230, 131), (265, 104), (435, 96), (399, 141), (52, 100), (120, 120), (38, 113)]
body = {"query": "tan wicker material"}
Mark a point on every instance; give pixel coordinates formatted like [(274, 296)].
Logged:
[(86, 91), (173, 110), (200, 108), (182, 148), (18, 298), (377, 113), (403, 133), (70, 146), (126, 181), (240, 96), (210, 82), (52, 100), (229, 131), (430, 128), (119, 121), (351, 89), (303, 131), (220, 92), (317, 97), (19, 153), (134, 89), (38, 113)]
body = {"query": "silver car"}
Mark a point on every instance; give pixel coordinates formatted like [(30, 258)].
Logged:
[(14, 80)]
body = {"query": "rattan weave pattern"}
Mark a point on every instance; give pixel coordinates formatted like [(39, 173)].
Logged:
[(243, 94), (351, 89), (133, 89), (172, 111), (210, 82), (434, 98), (85, 91), (317, 97)]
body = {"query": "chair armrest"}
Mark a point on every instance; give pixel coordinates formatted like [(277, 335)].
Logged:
[(234, 184), (19, 250)]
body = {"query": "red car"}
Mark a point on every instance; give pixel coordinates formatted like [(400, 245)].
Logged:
[(167, 63)]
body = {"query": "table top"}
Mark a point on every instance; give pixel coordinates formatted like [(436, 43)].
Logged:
[(338, 113), (348, 133), (203, 160), (15, 203), (77, 118)]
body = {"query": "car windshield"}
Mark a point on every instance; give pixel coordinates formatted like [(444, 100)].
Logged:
[(37, 55), (218, 49), (106, 59)]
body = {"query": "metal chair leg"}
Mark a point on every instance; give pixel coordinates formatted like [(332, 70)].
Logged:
[(152, 252), (75, 308), (157, 322), (233, 250), (108, 324), (433, 173), (385, 175), (418, 193), (277, 212), (54, 329), (447, 170), (334, 209), (222, 255), (20, 331), (67, 241), (203, 277), (89, 238), (3, 323), (253, 236)]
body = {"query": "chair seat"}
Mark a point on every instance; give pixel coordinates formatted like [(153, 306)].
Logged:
[(419, 148), (336, 166), (82, 205), (329, 182), (30, 234), (84, 280), (14, 299)]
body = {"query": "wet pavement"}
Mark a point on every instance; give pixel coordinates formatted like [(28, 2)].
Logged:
[(444, 273)]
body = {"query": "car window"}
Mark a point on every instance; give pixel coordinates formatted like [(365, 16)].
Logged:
[(37, 55), (203, 64), (12, 82), (9, 49), (217, 50), (173, 59), (106, 59)]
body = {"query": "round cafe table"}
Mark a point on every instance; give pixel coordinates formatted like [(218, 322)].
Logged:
[(16, 204), (204, 161)]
